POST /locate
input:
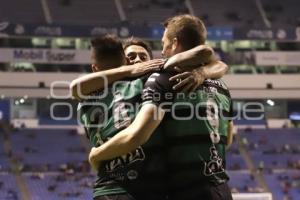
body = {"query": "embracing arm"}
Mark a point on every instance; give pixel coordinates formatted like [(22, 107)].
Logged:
[(146, 121), (230, 134), (87, 84), (194, 66), (190, 80), (95, 81), (213, 70), (194, 57)]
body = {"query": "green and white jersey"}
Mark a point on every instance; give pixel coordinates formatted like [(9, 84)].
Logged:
[(194, 130), (107, 115)]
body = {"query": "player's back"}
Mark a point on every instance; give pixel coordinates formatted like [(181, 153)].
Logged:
[(140, 172), (145, 170), (195, 135)]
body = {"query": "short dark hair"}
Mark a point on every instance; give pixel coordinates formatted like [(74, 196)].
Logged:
[(108, 50), (139, 42), (188, 29)]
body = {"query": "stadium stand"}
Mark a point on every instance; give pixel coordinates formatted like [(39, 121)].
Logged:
[(59, 186), (66, 175), (282, 14), (265, 151), (284, 184), (4, 162), (78, 12), (234, 159), (29, 11), (157, 10), (243, 181), (8, 187), (53, 162), (237, 14), (49, 150), (92, 12), (53, 165), (276, 153)]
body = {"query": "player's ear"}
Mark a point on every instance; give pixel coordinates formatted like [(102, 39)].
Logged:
[(174, 44), (94, 68), (127, 60)]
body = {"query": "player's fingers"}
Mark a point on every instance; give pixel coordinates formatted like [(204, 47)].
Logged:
[(152, 69), (173, 69), (159, 61), (178, 69), (193, 89), (182, 83), (179, 76), (187, 87), (155, 65), (200, 81), (154, 62)]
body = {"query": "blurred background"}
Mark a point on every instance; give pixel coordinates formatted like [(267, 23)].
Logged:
[(44, 44)]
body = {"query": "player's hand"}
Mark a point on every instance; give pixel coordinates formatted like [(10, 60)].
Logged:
[(190, 59), (188, 81), (95, 164), (142, 68)]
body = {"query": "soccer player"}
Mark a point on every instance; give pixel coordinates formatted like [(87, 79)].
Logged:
[(195, 144), (87, 84), (137, 51), (119, 176), (107, 52)]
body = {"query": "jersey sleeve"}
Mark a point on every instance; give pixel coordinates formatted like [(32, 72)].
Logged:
[(158, 90)]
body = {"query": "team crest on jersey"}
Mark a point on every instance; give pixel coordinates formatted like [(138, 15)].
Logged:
[(215, 137), (132, 174), (215, 165)]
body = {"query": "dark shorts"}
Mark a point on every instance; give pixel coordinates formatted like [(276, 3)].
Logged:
[(115, 197), (129, 197), (209, 192)]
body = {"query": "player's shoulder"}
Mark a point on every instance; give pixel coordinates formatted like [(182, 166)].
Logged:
[(159, 82), (162, 76)]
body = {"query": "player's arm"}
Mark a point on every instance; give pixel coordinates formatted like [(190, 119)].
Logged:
[(190, 80), (141, 129), (231, 130), (192, 58), (130, 138), (87, 84), (194, 66), (230, 133)]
